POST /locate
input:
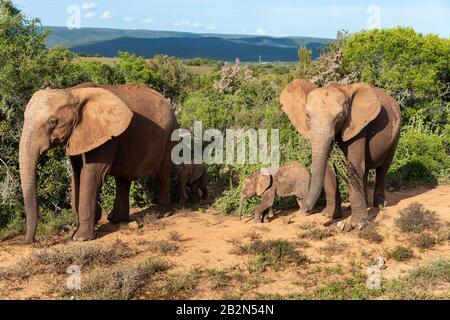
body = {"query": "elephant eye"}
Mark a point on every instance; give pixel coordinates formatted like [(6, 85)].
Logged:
[(52, 123)]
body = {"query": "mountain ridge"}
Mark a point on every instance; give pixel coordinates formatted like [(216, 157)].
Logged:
[(147, 43)]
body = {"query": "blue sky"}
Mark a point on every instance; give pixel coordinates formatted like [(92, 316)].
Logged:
[(320, 18)]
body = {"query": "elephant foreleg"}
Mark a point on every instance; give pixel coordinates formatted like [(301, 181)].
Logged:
[(356, 172), (267, 199), (121, 210), (75, 183), (379, 199), (333, 198), (91, 180)]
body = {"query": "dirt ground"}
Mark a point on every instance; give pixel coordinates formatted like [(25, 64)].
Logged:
[(208, 239)]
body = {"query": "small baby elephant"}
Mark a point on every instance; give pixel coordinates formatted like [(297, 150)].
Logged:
[(194, 177), (291, 179)]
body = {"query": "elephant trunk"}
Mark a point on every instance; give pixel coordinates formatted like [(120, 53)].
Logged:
[(28, 158), (320, 151)]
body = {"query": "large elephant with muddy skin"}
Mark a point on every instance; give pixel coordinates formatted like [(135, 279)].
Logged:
[(365, 122), (122, 131)]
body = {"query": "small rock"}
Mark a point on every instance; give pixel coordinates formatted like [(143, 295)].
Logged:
[(341, 225), (133, 225)]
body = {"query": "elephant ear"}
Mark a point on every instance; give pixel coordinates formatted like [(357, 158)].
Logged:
[(197, 171), (102, 116), (262, 183), (365, 107), (293, 101)]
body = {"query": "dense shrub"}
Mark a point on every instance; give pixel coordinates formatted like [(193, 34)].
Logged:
[(172, 78), (413, 67), (26, 66), (421, 157)]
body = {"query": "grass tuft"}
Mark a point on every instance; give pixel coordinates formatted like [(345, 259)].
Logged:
[(272, 253), (317, 234), (120, 283), (370, 233), (415, 218), (424, 241), (58, 259), (400, 253)]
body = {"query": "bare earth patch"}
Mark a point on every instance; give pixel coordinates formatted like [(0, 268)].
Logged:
[(198, 251)]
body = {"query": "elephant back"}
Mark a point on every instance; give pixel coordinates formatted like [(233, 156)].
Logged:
[(292, 179)]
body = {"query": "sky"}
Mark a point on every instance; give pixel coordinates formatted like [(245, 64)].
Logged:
[(320, 18)]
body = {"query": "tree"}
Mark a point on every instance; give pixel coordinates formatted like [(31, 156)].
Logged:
[(172, 78), (414, 68), (26, 66)]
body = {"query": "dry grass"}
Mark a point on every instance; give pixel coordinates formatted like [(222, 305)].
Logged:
[(178, 285), (275, 254), (424, 241), (415, 218), (120, 283), (59, 258), (164, 247), (176, 236), (316, 234), (400, 253), (370, 233), (334, 248)]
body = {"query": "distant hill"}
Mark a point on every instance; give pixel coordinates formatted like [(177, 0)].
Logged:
[(147, 43)]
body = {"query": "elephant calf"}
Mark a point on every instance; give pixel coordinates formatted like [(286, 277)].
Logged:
[(194, 177), (291, 179)]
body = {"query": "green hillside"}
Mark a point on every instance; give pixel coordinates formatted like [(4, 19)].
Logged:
[(147, 43)]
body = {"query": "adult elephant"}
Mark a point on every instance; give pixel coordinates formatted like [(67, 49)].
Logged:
[(365, 121), (123, 131)]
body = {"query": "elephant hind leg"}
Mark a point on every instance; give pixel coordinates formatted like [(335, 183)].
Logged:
[(379, 199), (164, 176), (195, 191), (204, 186), (121, 210)]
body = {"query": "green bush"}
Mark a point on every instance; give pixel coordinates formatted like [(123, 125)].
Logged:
[(413, 67), (421, 157)]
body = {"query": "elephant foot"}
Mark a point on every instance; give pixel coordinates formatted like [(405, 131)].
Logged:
[(165, 211), (83, 235), (258, 220), (113, 217), (379, 202), (347, 226), (332, 212)]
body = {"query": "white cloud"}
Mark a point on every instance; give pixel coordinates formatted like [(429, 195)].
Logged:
[(194, 25), (89, 14), (261, 31), (187, 23), (107, 15), (128, 19), (210, 27), (147, 20), (88, 5)]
